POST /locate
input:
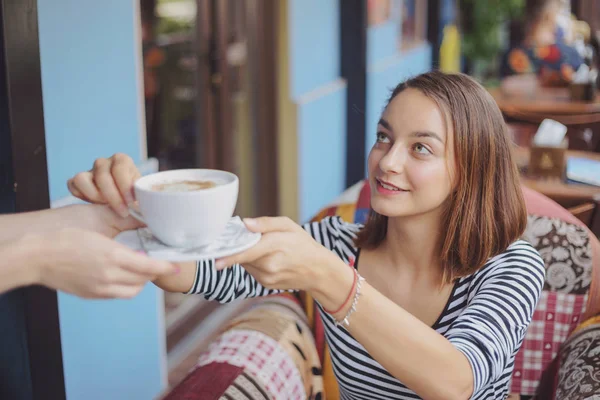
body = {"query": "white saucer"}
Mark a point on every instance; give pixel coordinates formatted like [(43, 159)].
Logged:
[(235, 239)]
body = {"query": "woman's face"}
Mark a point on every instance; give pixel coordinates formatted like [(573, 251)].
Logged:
[(411, 165)]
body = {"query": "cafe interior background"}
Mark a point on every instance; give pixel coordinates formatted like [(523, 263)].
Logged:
[(283, 93)]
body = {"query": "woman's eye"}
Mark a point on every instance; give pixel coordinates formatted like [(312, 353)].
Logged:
[(419, 148), (382, 138)]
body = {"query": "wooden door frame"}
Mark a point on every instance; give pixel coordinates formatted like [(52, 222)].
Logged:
[(586, 10), (262, 28), (353, 36), (206, 133), (433, 31), (214, 128), (31, 352), (215, 114)]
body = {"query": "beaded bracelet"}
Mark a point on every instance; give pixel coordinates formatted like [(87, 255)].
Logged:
[(347, 298), (345, 320)]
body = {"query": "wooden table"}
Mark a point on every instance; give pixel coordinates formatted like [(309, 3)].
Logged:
[(565, 193), (522, 93), (522, 99)]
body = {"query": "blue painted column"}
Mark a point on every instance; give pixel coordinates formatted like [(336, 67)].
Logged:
[(91, 79), (320, 96), (387, 66)]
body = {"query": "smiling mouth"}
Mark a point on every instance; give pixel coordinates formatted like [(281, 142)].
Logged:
[(388, 186)]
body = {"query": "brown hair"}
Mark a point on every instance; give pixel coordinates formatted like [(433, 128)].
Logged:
[(486, 205)]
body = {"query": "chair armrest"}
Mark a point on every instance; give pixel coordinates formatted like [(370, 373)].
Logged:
[(589, 214), (584, 212)]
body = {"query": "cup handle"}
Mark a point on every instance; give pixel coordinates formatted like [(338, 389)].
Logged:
[(137, 215)]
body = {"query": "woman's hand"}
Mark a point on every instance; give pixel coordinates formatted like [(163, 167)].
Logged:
[(110, 181), (90, 265), (286, 257)]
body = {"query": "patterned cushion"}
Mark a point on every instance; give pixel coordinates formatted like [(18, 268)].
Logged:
[(556, 315), (219, 380), (260, 357), (566, 251), (268, 352), (579, 371)]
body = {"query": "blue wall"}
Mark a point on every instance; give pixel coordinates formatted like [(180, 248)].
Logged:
[(383, 75), (314, 44), (111, 349), (320, 97), (382, 41), (320, 94), (321, 150), (387, 66), (89, 83)]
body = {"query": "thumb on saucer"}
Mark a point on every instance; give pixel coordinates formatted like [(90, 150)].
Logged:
[(129, 223)]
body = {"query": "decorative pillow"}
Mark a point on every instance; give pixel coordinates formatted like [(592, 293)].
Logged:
[(538, 204), (556, 315), (566, 251), (266, 353), (579, 370)]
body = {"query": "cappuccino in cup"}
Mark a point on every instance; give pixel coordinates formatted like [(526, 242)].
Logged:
[(187, 207), (184, 186)]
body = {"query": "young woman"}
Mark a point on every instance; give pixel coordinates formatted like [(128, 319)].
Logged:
[(432, 297)]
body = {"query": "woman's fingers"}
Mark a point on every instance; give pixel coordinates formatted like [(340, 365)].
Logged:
[(106, 185), (143, 265), (82, 186), (266, 245), (124, 173), (110, 181), (270, 224), (123, 276), (129, 223), (120, 291), (74, 191)]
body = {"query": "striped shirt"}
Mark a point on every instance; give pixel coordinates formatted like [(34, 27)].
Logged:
[(485, 318)]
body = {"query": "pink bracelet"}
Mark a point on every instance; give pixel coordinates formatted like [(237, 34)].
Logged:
[(352, 310), (354, 283)]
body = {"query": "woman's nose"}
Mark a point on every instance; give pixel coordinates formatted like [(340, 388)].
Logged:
[(394, 160)]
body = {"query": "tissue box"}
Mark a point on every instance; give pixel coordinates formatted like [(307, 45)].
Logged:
[(548, 162), (582, 91)]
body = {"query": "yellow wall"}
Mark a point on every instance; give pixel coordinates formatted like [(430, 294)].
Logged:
[(287, 122)]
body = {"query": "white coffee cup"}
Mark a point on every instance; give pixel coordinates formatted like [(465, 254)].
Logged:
[(186, 218)]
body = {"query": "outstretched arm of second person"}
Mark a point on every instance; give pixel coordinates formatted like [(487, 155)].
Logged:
[(95, 218)]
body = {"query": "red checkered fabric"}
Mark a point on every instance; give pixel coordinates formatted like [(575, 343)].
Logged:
[(556, 315), (260, 356)]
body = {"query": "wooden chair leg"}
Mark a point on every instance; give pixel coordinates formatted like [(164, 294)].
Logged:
[(595, 219)]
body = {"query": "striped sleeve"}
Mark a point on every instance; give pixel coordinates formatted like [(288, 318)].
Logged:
[(235, 282), (227, 284), (335, 235), (503, 297)]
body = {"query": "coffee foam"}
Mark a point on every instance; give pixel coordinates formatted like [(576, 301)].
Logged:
[(184, 186)]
